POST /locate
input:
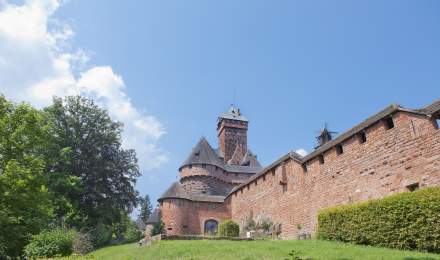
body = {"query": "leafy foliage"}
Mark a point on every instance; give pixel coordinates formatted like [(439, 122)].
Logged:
[(402, 221), (90, 168), (50, 243), (102, 234), (228, 228), (24, 200), (132, 233)]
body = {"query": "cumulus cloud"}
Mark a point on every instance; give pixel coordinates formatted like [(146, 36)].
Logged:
[(36, 64), (301, 152)]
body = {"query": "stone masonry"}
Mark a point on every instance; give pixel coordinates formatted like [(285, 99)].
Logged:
[(395, 150)]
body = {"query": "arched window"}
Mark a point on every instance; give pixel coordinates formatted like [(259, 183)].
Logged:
[(211, 227)]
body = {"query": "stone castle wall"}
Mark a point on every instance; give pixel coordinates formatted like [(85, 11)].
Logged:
[(390, 161)]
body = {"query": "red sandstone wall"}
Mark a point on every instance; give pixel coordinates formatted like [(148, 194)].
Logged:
[(184, 217), (387, 163)]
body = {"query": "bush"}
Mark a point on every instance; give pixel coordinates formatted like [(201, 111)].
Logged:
[(101, 235), (402, 221), (82, 243), (132, 234), (228, 228), (50, 243)]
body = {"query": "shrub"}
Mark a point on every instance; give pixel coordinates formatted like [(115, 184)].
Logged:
[(228, 228), (132, 234), (402, 221), (82, 243), (101, 235), (50, 243)]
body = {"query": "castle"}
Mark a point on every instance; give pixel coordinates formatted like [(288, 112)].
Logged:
[(395, 150)]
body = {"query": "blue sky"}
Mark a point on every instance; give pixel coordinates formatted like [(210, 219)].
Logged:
[(291, 65)]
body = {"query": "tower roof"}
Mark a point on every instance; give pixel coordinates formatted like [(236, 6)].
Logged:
[(203, 153), (234, 114)]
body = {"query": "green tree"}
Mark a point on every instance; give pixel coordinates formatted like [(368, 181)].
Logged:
[(25, 207), (92, 174), (146, 208)]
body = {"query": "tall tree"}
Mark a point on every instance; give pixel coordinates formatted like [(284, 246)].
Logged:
[(146, 208), (25, 207), (89, 159)]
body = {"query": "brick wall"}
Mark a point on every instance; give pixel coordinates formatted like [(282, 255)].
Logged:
[(388, 162), (184, 217), (230, 133)]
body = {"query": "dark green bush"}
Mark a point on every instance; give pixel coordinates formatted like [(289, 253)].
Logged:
[(50, 243), (102, 234), (402, 221), (228, 228)]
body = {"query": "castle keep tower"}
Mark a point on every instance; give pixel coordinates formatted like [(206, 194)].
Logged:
[(195, 204), (232, 135)]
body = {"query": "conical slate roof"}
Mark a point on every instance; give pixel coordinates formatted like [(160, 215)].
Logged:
[(203, 153), (176, 191)]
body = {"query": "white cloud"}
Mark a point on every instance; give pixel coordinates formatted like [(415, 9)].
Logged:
[(36, 64), (301, 152)]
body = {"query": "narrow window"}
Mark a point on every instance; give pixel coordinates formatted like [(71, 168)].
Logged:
[(413, 187), (339, 149), (264, 177), (170, 228), (389, 123), (437, 122), (321, 159), (304, 166), (362, 137), (273, 172), (284, 188), (203, 166), (256, 183)]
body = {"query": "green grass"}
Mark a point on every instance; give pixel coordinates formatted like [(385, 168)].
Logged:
[(212, 249)]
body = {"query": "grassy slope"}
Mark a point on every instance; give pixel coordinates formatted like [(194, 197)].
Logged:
[(204, 249)]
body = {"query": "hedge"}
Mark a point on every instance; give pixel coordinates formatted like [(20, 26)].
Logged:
[(403, 221)]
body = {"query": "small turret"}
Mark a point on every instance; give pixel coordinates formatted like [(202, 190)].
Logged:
[(325, 136)]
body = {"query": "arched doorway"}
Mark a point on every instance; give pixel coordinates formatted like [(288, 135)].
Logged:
[(211, 227)]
